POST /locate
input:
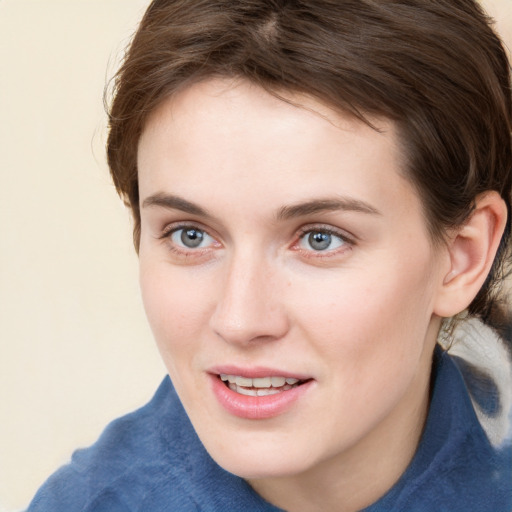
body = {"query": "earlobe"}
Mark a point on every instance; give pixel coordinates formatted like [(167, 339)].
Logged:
[(472, 249)]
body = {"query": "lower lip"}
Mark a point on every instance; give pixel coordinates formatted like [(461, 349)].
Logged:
[(256, 407)]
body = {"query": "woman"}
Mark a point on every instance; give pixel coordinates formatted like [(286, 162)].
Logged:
[(321, 196)]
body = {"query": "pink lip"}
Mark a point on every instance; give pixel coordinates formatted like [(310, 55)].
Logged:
[(256, 407), (255, 372)]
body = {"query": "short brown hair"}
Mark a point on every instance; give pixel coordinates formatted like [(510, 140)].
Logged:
[(435, 68)]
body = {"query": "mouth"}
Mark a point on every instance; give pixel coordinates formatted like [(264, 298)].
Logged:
[(259, 392), (260, 386)]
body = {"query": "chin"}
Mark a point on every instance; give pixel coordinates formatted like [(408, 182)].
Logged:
[(265, 467), (260, 457)]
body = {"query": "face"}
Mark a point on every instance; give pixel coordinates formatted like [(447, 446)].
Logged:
[(287, 275)]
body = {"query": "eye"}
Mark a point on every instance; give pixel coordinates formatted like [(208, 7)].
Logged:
[(321, 240), (191, 238)]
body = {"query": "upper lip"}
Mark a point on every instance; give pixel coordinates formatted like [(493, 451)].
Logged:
[(255, 372)]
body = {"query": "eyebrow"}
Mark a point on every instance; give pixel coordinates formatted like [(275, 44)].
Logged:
[(326, 205), (173, 202)]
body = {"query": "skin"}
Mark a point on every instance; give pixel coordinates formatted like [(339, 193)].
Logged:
[(358, 318)]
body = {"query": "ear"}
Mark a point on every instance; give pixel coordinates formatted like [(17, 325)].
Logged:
[(471, 251)]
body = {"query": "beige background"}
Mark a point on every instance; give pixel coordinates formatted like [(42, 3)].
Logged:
[(75, 350)]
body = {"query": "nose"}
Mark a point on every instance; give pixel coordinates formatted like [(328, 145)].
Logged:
[(249, 307)]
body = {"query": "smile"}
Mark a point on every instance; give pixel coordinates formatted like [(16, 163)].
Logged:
[(261, 386), (260, 395)]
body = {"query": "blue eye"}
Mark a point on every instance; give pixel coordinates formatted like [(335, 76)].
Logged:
[(321, 241), (191, 238)]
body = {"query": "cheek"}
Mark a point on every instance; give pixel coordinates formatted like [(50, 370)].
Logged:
[(176, 307), (370, 339), (368, 313)]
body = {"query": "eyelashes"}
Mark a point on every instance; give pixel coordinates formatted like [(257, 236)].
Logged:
[(193, 240), (188, 241), (322, 240)]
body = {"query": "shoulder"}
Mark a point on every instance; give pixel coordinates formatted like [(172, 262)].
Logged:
[(132, 458)]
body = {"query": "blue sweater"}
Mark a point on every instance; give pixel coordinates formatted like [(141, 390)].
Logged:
[(152, 460)]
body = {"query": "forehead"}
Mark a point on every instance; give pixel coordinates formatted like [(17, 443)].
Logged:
[(244, 142)]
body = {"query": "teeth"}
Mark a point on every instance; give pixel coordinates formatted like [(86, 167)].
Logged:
[(266, 392), (278, 382), (246, 391), (256, 391), (244, 381), (265, 382), (261, 382), (262, 386)]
